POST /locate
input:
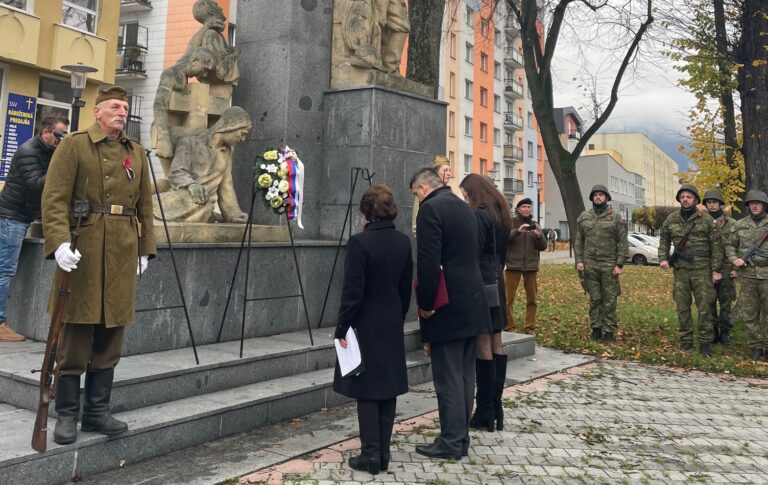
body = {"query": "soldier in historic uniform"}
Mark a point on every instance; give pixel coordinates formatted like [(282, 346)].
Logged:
[(601, 251), (746, 235), (697, 263), (725, 290), (110, 171)]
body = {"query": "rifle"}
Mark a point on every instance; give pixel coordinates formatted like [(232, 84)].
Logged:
[(755, 250), (678, 253), (80, 209)]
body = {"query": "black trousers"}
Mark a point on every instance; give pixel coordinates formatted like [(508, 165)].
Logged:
[(376, 419), (453, 372)]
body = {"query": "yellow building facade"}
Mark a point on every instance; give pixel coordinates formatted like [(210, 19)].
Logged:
[(38, 37), (639, 154)]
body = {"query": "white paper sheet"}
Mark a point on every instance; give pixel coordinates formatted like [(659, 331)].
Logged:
[(350, 360)]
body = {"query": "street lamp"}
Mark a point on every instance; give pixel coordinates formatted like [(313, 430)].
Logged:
[(79, 73), (538, 200)]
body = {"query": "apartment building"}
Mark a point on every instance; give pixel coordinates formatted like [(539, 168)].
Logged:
[(37, 38), (639, 154)]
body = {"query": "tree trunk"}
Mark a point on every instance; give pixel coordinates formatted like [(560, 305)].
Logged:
[(753, 88), (426, 17), (726, 95)]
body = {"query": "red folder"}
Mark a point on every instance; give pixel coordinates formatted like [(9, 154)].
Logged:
[(441, 296)]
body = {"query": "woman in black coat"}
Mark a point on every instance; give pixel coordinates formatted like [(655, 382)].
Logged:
[(374, 301), (494, 222)]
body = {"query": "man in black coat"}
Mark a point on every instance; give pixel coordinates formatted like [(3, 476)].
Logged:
[(20, 204), (446, 237)]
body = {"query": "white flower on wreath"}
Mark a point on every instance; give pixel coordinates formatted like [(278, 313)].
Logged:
[(271, 168), (283, 186), (283, 165), (272, 192), (263, 166)]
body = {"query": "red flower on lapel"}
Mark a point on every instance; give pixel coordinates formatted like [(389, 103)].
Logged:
[(128, 166)]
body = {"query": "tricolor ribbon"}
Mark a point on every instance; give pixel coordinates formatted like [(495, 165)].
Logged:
[(295, 171)]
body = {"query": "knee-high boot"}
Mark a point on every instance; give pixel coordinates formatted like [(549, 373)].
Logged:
[(500, 360), (96, 415), (67, 409), (484, 416)]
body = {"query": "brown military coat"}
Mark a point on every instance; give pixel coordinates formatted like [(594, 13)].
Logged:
[(88, 166)]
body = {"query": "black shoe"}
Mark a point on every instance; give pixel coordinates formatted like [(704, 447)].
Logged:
[(597, 334), (609, 337), (465, 448), (384, 461), (756, 354), (67, 409), (363, 464), (686, 346), (436, 451), (96, 415), (725, 338), (704, 350), (498, 389)]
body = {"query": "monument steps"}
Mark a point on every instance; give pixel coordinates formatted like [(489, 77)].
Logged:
[(279, 378)]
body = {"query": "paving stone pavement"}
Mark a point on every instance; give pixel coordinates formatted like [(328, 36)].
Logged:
[(608, 422)]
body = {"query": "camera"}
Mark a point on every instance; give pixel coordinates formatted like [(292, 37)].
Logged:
[(532, 226)]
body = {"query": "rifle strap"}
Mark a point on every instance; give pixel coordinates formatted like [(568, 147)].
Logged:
[(684, 240)]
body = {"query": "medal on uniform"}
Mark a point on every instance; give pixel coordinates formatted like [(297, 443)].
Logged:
[(127, 165)]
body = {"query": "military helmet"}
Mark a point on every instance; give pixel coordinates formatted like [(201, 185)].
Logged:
[(599, 188), (756, 196), (714, 194), (688, 188)]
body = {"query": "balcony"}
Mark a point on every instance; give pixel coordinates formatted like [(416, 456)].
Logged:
[(513, 89), (511, 26), (132, 40), (133, 125), (127, 6), (19, 37), (513, 152), (514, 58), (513, 121), (513, 186)]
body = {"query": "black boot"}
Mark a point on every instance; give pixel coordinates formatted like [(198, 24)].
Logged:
[(609, 337), (725, 338), (498, 388), (597, 334), (96, 415), (716, 333), (704, 350), (485, 372), (67, 409)]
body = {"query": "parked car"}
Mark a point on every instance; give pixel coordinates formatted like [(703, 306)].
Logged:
[(642, 254), (640, 238)]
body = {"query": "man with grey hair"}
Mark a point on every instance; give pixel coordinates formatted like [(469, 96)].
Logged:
[(451, 306)]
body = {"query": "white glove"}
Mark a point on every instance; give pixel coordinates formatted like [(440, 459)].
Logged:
[(65, 258), (142, 266)]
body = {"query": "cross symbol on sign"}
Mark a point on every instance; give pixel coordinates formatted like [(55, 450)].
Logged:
[(29, 103)]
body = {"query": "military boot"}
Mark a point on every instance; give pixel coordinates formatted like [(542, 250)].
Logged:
[(686, 346), (597, 334), (725, 338), (609, 337), (704, 350), (67, 409), (96, 415)]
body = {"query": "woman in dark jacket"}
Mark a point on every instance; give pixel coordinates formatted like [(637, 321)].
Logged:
[(494, 223), (375, 298)]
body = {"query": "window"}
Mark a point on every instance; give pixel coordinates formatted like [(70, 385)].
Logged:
[(484, 27), (451, 156), (19, 4), (530, 179), (497, 103), (539, 152), (483, 97), (468, 126), (483, 132), (470, 14), (591, 146), (452, 84), (452, 45), (451, 123), (483, 166), (497, 70), (530, 120), (530, 150), (468, 52), (496, 171), (80, 14), (53, 99), (467, 164), (484, 62), (231, 34), (497, 137), (469, 86), (497, 36)]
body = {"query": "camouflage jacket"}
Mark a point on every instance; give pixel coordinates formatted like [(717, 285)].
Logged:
[(704, 244), (744, 233), (723, 226), (601, 239)]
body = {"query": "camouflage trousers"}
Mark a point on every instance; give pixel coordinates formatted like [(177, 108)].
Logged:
[(725, 294), (603, 288), (696, 283), (753, 308)]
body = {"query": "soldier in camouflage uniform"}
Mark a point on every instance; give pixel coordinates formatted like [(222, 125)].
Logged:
[(601, 251), (753, 300), (697, 265), (725, 290)]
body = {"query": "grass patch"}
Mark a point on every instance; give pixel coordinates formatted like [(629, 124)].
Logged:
[(647, 332)]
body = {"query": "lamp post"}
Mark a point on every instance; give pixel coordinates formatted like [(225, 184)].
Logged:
[(538, 200), (78, 74)]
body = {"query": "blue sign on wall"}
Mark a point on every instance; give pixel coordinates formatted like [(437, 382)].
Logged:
[(19, 126)]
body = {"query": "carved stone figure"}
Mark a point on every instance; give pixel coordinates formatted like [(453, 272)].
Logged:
[(201, 172)]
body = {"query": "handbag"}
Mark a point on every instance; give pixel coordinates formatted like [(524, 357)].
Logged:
[(492, 290)]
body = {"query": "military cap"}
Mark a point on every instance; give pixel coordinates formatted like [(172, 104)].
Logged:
[(756, 196), (688, 188), (599, 188), (112, 92), (439, 161), (523, 202), (714, 194)]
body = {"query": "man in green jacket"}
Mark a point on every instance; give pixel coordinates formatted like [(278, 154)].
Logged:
[(697, 263), (601, 251), (526, 242), (753, 300), (725, 290)]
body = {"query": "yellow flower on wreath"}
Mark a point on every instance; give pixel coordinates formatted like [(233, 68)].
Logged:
[(283, 186), (264, 180), (276, 202), (270, 155)]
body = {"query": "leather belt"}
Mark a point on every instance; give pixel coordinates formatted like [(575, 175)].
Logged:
[(115, 210)]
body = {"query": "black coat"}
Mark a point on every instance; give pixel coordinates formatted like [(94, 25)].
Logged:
[(446, 235), (492, 262), (376, 295), (20, 198)]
